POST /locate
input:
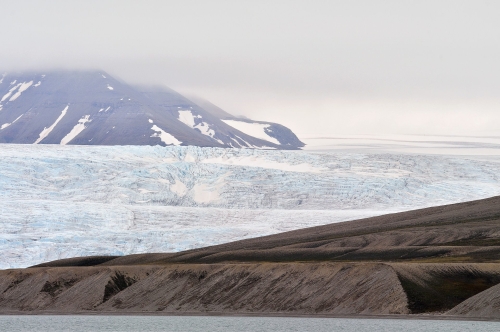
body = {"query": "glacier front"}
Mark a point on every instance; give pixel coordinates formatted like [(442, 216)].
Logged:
[(66, 201)]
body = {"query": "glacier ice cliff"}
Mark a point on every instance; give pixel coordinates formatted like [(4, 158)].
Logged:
[(65, 201)]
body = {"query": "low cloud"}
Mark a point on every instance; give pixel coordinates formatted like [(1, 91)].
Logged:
[(335, 67)]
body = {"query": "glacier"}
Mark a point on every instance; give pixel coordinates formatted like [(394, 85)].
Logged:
[(65, 201)]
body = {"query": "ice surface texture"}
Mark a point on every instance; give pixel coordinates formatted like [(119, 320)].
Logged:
[(62, 201)]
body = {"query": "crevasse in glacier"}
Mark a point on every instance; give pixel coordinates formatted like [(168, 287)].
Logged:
[(62, 201)]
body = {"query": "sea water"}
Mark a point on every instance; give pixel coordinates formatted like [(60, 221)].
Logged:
[(220, 324)]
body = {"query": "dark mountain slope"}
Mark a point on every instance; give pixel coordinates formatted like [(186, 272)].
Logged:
[(274, 130), (93, 108)]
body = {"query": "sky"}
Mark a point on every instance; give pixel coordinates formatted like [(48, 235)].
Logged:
[(322, 68)]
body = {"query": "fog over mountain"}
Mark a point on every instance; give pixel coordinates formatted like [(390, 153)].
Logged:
[(322, 69)]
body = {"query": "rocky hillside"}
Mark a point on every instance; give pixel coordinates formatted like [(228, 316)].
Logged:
[(442, 261), (241, 288), (93, 108)]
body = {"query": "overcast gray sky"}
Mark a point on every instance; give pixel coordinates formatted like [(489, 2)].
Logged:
[(324, 68)]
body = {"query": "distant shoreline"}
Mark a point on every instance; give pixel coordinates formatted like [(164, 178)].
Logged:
[(259, 314)]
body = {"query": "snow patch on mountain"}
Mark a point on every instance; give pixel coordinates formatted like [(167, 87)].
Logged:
[(38, 84), (254, 129), (165, 137), (104, 110), (5, 125), (204, 128), (188, 118), (77, 129), (46, 131), (24, 86), (7, 95), (244, 144), (110, 87)]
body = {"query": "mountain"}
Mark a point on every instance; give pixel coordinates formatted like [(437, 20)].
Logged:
[(254, 128), (93, 108)]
